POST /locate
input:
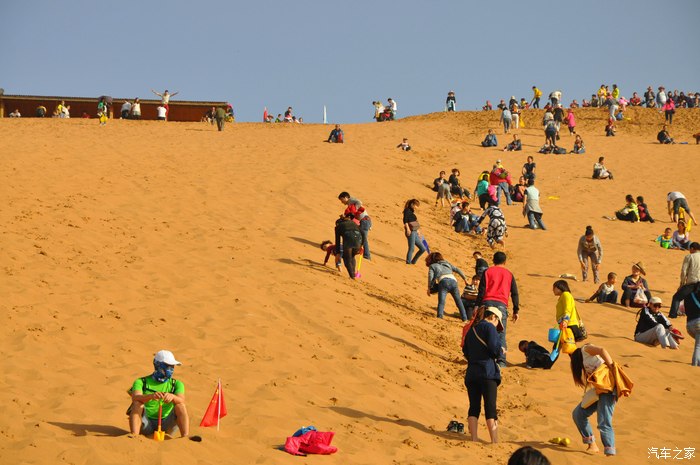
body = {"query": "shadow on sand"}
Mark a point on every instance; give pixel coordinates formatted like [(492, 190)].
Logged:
[(80, 429)]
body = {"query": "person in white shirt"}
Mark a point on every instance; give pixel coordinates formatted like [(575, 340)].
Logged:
[(690, 279), (126, 109), (676, 200), (393, 106), (165, 100), (162, 113), (16, 114), (136, 109)]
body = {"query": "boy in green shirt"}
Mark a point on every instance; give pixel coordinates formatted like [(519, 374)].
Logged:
[(149, 392)]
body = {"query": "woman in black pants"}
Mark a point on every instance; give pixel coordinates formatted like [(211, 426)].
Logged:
[(482, 347)]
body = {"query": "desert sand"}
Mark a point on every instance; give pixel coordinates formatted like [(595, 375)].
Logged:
[(122, 240)]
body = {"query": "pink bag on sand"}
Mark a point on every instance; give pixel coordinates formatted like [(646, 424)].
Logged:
[(313, 442)]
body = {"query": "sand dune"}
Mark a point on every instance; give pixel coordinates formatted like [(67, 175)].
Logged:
[(118, 241)]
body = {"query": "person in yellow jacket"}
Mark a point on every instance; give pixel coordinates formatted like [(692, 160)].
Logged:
[(536, 94), (567, 315)]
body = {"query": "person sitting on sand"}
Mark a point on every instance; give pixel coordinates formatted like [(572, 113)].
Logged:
[(482, 346), (644, 214), (455, 187), (666, 239), (514, 146), (442, 281), (579, 147), (584, 362), (15, 114), (681, 236), (610, 129), (330, 249), (630, 212), (404, 145), (487, 106), (653, 327), (465, 221), (517, 191), (490, 140), (606, 292), (337, 136), (536, 356), (600, 171), (150, 392), (442, 187), (632, 284), (664, 137)]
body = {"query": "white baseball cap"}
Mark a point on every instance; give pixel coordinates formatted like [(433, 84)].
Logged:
[(167, 357)]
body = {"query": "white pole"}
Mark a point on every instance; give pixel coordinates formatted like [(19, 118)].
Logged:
[(218, 405), (325, 121)]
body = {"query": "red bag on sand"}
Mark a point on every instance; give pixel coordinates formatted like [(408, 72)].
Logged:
[(313, 442)]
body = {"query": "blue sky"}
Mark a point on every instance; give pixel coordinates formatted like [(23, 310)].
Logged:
[(346, 54)]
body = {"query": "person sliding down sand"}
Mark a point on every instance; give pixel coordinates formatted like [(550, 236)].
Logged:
[(330, 249), (497, 229), (404, 145)]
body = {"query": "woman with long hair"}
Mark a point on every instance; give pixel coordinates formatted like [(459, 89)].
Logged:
[(442, 280), (567, 315), (412, 231), (584, 361)]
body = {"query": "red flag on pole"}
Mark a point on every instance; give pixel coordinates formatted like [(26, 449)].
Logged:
[(216, 409)]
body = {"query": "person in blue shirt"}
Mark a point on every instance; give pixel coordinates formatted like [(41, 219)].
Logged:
[(336, 136), (490, 140)]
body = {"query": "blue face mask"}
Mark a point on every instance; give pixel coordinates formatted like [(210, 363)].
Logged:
[(163, 371)]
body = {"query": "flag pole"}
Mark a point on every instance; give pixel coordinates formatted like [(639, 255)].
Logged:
[(218, 405), (325, 120)]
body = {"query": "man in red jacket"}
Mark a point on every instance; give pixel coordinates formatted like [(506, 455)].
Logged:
[(496, 283)]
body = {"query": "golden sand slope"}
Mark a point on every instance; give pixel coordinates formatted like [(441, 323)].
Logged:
[(122, 240)]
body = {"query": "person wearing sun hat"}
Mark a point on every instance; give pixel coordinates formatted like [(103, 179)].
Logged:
[(149, 392), (482, 346), (632, 283), (653, 327)]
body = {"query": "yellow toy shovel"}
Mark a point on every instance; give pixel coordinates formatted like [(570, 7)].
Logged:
[(160, 434)]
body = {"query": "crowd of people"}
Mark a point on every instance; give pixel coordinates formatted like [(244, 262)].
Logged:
[(483, 303)]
